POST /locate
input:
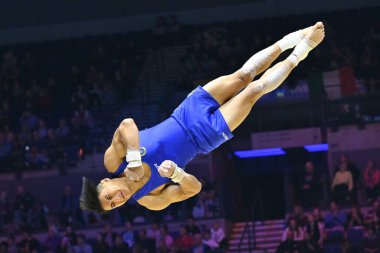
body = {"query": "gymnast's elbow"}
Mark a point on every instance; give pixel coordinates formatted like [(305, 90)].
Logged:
[(128, 122), (195, 189), (198, 187)]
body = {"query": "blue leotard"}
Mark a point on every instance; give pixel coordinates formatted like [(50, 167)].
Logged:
[(196, 126)]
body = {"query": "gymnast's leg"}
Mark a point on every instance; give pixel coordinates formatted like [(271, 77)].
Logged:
[(225, 87), (238, 107)]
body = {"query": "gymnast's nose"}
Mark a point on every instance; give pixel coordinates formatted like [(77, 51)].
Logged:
[(120, 196)]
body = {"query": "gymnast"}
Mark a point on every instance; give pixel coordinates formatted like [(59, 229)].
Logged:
[(147, 165)]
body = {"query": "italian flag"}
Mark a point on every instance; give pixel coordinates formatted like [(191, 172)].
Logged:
[(337, 83)]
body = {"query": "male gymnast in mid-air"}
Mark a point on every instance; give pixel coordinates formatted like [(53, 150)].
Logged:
[(146, 165)]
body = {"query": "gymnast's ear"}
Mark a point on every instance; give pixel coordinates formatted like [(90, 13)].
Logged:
[(105, 180)]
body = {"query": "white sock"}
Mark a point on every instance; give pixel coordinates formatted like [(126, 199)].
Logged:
[(302, 49), (290, 40), (293, 59), (250, 67)]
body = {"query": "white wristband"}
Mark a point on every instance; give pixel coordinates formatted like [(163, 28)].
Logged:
[(178, 175), (133, 158)]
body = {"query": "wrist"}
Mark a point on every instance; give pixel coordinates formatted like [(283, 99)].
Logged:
[(133, 158), (177, 175)]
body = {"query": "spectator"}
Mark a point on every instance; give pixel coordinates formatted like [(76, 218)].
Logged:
[(52, 240), (22, 206), (109, 235), (370, 242), (6, 211), (353, 169), (199, 246), (299, 216), (297, 232), (153, 232), (199, 209), (335, 217), (373, 217), (355, 217), (65, 246), (144, 243), (315, 229), (3, 247), (217, 233), (210, 242), (31, 243), (129, 234), (37, 216), (173, 25), (79, 97), (63, 130), (109, 94), (165, 240), (29, 120), (185, 241), (42, 129), (82, 246), (288, 245), (82, 117), (68, 206), (100, 246), (11, 244), (335, 223), (308, 186), (192, 228), (71, 235), (120, 246), (371, 181), (160, 27), (342, 184), (96, 96), (212, 204)]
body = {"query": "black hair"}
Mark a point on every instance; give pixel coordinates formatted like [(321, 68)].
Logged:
[(88, 199)]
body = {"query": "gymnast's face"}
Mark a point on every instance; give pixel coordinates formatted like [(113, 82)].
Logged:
[(113, 193)]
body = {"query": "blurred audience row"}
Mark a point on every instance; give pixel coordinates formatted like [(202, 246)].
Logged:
[(46, 100), (349, 184), (191, 237), (335, 230), (27, 212)]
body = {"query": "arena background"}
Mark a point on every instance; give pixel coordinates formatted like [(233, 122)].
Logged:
[(72, 70)]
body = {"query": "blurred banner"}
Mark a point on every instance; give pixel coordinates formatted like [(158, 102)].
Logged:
[(339, 83), (286, 138), (286, 94)]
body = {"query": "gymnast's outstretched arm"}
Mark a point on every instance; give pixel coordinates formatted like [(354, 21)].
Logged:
[(187, 186)]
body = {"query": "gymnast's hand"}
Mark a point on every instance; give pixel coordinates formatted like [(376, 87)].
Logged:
[(167, 168), (134, 173)]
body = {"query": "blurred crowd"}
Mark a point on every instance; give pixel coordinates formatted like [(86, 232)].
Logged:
[(349, 184), (223, 48), (352, 229), (345, 226), (47, 93), (189, 237), (25, 212)]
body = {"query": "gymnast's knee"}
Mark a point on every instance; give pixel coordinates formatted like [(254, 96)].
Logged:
[(257, 87)]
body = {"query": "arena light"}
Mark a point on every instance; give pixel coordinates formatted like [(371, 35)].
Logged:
[(317, 147), (260, 152)]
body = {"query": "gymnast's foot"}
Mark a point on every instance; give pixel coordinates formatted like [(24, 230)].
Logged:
[(292, 39), (315, 35)]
